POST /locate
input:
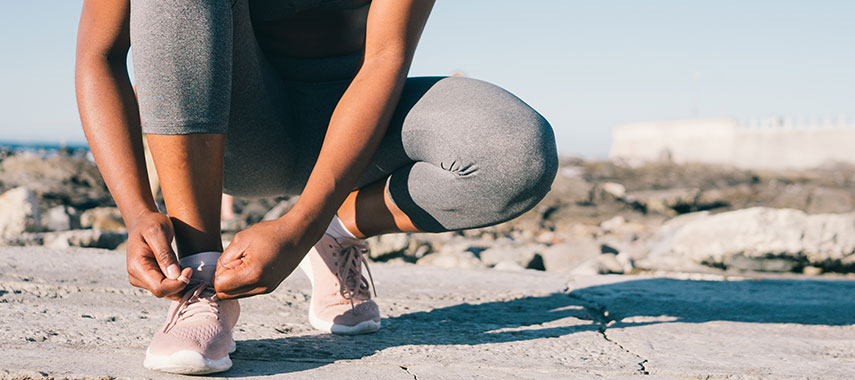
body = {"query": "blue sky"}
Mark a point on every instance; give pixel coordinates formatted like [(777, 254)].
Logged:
[(585, 65)]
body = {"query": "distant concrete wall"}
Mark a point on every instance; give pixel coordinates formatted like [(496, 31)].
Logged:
[(773, 144)]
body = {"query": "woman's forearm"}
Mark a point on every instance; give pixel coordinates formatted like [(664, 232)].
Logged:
[(110, 118), (363, 114), (356, 128)]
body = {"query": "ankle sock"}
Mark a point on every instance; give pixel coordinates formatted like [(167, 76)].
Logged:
[(204, 265), (338, 230)]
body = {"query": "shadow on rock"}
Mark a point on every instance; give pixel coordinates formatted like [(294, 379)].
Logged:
[(806, 302), (626, 304)]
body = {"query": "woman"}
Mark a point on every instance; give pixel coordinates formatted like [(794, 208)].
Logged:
[(306, 97)]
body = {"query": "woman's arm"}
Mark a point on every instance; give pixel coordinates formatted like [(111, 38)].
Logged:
[(362, 115), (108, 108), (259, 258), (110, 118)]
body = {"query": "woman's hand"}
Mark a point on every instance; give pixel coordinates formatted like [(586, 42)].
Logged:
[(152, 265), (261, 256)]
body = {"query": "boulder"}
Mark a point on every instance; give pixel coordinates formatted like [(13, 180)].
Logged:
[(758, 239), (253, 211), (546, 237), (19, 212), (667, 201), (435, 242), (70, 238), (626, 261), (521, 254), (452, 256), (614, 189), (60, 218), (589, 267), (84, 238), (102, 218), (566, 257), (59, 179), (280, 209), (825, 200), (737, 196), (388, 245), (22, 239), (573, 230), (613, 224), (608, 263), (232, 225), (508, 266)]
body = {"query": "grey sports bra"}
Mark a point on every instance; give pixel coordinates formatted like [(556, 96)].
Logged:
[(277, 9)]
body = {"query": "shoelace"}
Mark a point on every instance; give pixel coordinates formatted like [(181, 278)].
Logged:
[(198, 300), (351, 259)]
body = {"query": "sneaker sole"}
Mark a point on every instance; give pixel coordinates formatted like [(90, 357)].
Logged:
[(364, 327), (186, 362)]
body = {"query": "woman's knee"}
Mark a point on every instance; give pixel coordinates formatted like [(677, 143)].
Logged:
[(522, 145), (518, 157), (524, 168)]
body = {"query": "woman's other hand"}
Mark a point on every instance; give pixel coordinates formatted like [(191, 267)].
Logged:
[(261, 256), (152, 265)]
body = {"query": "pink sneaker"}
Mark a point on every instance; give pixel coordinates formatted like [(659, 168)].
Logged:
[(197, 337), (341, 300)]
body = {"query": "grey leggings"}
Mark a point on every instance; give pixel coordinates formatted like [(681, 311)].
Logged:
[(459, 153)]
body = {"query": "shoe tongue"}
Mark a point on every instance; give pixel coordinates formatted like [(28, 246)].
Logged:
[(204, 272), (203, 264), (346, 242)]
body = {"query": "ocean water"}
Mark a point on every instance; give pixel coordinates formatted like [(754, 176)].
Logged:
[(44, 149), (36, 146)]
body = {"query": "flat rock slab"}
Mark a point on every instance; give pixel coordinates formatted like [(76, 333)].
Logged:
[(71, 314)]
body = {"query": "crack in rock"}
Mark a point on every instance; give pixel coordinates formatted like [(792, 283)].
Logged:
[(601, 317), (641, 368), (407, 370)]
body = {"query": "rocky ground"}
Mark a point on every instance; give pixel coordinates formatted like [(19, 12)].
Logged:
[(675, 272), (600, 218), (70, 314)]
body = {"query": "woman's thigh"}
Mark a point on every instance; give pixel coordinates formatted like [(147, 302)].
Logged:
[(280, 110), (260, 148)]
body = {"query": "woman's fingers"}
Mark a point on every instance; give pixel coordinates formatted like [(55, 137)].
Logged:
[(140, 284), (249, 265), (185, 275), (233, 254), (231, 268), (238, 278), (240, 292), (231, 279), (168, 288), (146, 274), (158, 238)]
